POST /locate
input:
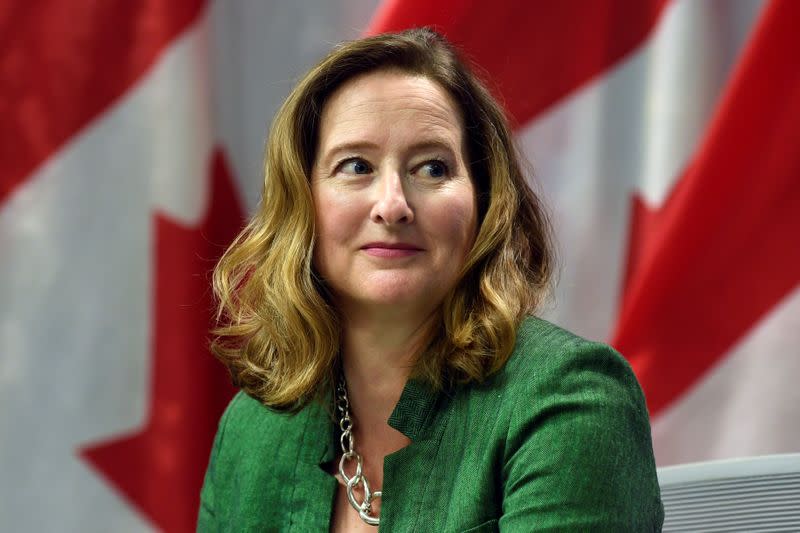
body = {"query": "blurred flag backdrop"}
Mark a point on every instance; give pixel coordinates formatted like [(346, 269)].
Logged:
[(665, 136)]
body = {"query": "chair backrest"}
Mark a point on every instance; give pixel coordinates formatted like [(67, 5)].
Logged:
[(749, 494)]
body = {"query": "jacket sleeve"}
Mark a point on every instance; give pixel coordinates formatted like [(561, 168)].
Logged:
[(207, 516), (579, 454)]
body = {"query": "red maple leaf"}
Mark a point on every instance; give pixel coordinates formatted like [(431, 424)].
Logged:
[(722, 251), (547, 49), (159, 468)]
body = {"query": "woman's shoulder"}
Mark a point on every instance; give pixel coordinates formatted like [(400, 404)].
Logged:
[(247, 425), (552, 368), (544, 352), (242, 410), (538, 336), (254, 464), (247, 414), (577, 422)]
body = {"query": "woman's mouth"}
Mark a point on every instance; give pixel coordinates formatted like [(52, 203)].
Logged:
[(391, 249)]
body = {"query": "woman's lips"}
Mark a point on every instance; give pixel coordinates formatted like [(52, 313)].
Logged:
[(390, 250)]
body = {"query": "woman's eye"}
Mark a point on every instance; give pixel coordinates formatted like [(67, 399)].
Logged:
[(434, 169), (355, 166)]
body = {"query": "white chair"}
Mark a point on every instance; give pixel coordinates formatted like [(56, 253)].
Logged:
[(753, 494)]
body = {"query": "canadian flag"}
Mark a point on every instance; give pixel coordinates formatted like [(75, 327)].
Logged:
[(665, 136)]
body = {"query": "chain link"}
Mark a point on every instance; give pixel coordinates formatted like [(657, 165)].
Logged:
[(349, 453)]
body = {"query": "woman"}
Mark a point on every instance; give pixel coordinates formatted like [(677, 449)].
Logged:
[(376, 314)]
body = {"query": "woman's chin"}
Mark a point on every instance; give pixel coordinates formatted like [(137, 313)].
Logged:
[(396, 300), (393, 292), (393, 298)]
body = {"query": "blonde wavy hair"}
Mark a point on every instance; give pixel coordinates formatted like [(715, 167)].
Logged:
[(277, 329)]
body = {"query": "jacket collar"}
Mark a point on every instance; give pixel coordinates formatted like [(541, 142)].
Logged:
[(413, 412)]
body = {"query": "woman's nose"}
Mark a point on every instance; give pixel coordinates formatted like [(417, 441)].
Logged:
[(391, 205)]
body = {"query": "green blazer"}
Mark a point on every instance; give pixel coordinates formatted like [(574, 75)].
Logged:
[(558, 440)]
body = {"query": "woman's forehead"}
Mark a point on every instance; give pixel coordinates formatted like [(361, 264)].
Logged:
[(374, 104)]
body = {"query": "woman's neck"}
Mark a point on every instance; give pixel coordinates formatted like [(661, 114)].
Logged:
[(377, 357)]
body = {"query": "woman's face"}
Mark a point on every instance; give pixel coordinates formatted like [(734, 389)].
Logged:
[(395, 205)]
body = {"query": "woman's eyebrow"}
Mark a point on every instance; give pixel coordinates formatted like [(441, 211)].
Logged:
[(432, 144), (352, 146), (364, 146)]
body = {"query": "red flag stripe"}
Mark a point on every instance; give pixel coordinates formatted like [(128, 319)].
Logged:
[(62, 63), (533, 53), (724, 250)]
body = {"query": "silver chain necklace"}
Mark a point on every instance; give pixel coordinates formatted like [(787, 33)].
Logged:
[(348, 453)]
